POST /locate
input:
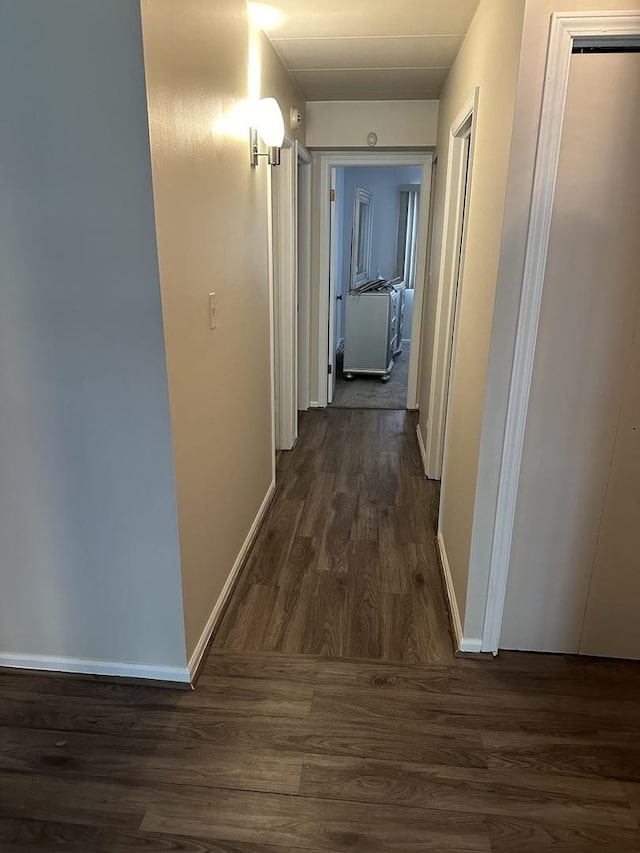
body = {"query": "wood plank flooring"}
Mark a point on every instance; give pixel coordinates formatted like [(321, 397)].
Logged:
[(343, 722), (345, 564), (288, 753)]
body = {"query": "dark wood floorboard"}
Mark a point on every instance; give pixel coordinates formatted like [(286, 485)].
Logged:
[(352, 521), (466, 789), (330, 715), (319, 824)]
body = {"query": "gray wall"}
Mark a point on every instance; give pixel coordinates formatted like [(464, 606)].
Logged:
[(384, 182), (89, 564)]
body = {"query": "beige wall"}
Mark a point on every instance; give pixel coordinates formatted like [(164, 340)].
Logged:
[(488, 58), (211, 219), (518, 199), (346, 124)]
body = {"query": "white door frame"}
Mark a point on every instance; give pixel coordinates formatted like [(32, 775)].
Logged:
[(304, 275), (272, 337), (334, 261), (284, 239), (449, 286), (587, 27), (327, 163)]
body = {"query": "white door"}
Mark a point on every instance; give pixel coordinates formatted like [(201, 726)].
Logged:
[(333, 271), (611, 624), (574, 576)]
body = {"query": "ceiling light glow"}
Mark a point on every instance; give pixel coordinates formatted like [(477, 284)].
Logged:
[(265, 17)]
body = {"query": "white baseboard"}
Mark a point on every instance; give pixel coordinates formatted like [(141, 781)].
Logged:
[(151, 672), (203, 642), (471, 644), (463, 644), (314, 404), (423, 451), (95, 667)]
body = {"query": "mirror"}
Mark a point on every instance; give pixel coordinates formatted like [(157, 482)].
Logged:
[(361, 237)]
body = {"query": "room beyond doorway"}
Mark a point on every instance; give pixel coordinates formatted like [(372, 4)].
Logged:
[(373, 256), (367, 392), (337, 273)]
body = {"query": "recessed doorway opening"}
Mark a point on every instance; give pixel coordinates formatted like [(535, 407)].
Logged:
[(374, 219), (376, 212)]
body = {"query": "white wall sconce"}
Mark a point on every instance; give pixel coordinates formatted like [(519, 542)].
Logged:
[(269, 126)]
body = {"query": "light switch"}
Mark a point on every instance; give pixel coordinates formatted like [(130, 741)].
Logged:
[(212, 310)]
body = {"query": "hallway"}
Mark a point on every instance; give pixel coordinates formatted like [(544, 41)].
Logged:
[(330, 715), (345, 564)]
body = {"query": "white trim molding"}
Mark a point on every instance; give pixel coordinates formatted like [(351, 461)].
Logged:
[(471, 645), (327, 161), (334, 264), (212, 621), (587, 27), (82, 666), (272, 321), (284, 234), (304, 275), (450, 278), (463, 644), (148, 672), (420, 281)]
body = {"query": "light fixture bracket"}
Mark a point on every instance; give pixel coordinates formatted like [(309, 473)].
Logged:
[(272, 153)]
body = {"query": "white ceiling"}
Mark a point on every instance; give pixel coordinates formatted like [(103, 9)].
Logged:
[(370, 49)]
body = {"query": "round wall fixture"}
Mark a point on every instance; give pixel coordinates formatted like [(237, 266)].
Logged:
[(372, 139)]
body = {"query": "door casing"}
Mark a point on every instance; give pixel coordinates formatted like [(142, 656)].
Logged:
[(327, 162), (566, 29), (288, 242)]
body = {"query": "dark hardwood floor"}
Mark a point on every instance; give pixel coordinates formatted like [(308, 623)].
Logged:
[(345, 564), (330, 715)]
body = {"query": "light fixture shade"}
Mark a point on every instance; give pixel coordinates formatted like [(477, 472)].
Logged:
[(270, 123)]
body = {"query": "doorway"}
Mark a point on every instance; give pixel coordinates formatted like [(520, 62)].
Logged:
[(335, 277), (374, 258), (450, 283), (449, 278)]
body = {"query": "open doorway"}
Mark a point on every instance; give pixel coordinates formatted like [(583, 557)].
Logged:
[(374, 257), (374, 212), (450, 276)]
